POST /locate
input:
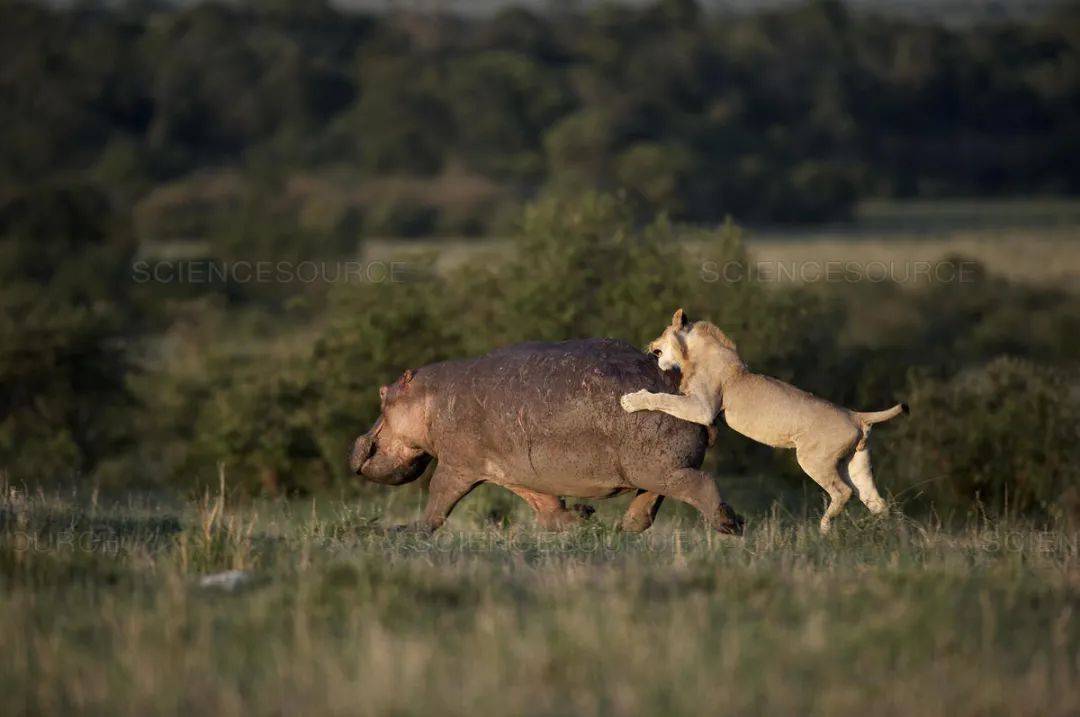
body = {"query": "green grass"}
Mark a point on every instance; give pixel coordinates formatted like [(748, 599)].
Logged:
[(101, 612)]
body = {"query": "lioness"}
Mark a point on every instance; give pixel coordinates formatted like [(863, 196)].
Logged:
[(829, 440)]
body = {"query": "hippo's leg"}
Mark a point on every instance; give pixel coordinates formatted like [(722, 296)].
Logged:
[(551, 512), (448, 486), (641, 512), (698, 489)]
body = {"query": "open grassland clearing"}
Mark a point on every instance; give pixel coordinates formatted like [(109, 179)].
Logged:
[(101, 610)]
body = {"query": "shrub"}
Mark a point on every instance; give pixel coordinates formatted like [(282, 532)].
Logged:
[(1005, 435), (63, 401), (401, 218), (65, 311)]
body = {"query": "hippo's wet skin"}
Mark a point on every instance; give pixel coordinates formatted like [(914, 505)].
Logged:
[(542, 420)]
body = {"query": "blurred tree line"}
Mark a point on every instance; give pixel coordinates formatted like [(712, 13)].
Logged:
[(785, 115), (285, 130)]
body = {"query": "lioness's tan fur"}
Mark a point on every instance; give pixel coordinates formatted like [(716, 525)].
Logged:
[(829, 440)]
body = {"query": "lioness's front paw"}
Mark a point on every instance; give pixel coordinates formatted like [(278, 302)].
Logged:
[(634, 401)]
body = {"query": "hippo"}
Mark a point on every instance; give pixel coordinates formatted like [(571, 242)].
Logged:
[(542, 420)]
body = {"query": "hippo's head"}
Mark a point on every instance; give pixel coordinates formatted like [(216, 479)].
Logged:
[(393, 452)]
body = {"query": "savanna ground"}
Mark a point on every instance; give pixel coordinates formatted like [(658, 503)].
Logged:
[(102, 611)]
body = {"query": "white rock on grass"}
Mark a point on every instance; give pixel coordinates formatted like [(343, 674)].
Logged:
[(229, 580)]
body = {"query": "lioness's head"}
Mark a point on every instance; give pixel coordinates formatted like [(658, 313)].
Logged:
[(683, 337), (669, 348)]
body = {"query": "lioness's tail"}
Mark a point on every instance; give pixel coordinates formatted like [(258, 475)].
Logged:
[(869, 418), (872, 417)]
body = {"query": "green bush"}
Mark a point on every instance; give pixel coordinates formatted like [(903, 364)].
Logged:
[(1002, 437), (64, 405), (401, 218), (65, 315)]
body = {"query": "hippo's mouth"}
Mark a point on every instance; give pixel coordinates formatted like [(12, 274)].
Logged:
[(417, 468), (399, 475)]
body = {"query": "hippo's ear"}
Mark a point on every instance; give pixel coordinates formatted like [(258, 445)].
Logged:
[(679, 319), (407, 376), (382, 392)]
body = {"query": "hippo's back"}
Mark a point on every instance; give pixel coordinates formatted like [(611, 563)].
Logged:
[(548, 416)]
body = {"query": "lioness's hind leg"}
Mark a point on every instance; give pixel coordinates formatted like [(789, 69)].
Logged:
[(824, 472), (862, 479), (641, 512)]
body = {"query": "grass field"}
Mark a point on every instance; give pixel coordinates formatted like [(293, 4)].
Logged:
[(102, 611)]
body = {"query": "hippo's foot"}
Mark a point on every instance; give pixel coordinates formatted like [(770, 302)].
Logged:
[(641, 512), (634, 524), (696, 488), (563, 518), (727, 522)]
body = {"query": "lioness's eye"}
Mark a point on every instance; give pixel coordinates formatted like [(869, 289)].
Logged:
[(656, 352)]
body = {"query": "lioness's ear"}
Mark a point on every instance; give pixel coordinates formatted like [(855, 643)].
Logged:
[(679, 320)]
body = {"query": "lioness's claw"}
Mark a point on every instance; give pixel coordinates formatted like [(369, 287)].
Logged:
[(629, 403)]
